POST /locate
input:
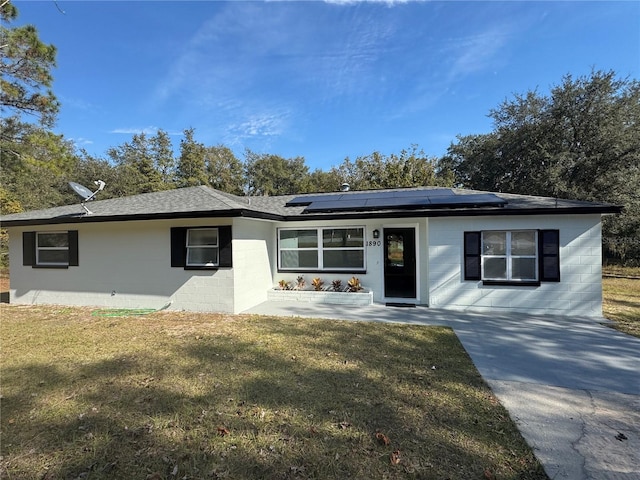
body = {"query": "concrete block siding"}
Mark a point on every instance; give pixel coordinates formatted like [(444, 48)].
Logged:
[(122, 265), (127, 265), (309, 296), (578, 293), (253, 255)]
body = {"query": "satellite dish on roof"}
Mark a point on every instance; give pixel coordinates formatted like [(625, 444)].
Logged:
[(82, 191), (85, 194)]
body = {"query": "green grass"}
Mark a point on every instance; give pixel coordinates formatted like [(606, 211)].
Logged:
[(621, 299), (200, 396)]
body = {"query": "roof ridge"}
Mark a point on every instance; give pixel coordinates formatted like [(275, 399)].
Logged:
[(224, 196)]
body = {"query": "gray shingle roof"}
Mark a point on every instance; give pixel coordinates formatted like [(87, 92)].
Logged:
[(201, 201)]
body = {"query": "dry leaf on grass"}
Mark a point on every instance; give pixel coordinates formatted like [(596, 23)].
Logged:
[(395, 457), (382, 438), (488, 474), (222, 431)]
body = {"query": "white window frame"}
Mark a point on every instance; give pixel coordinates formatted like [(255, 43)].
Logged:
[(509, 257), (54, 248), (319, 248), (194, 247)]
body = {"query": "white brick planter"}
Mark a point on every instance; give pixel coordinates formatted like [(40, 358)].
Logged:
[(311, 296)]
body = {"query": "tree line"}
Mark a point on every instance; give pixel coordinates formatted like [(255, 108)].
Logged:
[(146, 163), (579, 141)]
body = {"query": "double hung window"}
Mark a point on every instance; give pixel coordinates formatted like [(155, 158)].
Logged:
[(525, 257), (317, 249), (50, 249), (202, 247), (510, 256), (299, 249)]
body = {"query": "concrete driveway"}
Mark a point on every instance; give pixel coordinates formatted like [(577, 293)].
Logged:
[(571, 385)]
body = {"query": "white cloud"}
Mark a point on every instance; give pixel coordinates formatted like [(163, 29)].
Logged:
[(247, 51), (475, 56), (257, 125), (479, 52), (80, 142), (387, 2), (254, 72), (451, 61), (136, 130), (150, 130), (78, 103)]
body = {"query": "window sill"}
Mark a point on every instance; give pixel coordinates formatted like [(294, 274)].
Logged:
[(506, 283), (60, 267), (195, 267), (346, 272)]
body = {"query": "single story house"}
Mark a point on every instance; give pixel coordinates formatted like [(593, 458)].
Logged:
[(205, 250)]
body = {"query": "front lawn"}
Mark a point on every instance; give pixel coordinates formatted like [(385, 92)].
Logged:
[(621, 298), (201, 396)]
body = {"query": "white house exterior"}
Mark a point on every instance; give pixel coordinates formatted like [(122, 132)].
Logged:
[(203, 250)]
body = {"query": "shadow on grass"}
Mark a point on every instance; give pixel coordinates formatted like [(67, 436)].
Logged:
[(616, 302), (291, 402)]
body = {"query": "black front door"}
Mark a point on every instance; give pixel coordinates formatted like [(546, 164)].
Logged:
[(400, 262)]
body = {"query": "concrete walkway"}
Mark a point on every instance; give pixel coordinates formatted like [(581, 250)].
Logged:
[(571, 385)]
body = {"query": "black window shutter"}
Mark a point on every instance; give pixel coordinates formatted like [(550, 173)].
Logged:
[(178, 246), (549, 255), (472, 270), (29, 248), (73, 248), (224, 238)]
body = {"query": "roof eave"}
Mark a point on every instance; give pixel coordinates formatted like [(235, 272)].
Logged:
[(138, 217), (249, 213), (475, 212)]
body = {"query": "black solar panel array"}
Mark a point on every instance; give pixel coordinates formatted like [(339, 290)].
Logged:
[(398, 199)]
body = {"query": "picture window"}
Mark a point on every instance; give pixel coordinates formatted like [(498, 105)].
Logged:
[(317, 249)]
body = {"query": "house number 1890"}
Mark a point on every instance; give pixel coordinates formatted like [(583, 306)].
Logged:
[(374, 243)]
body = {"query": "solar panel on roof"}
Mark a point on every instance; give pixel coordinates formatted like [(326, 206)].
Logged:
[(397, 202), (363, 196), (307, 199), (371, 195), (469, 200), (332, 205), (303, 200), (367, 204), (436, 192), (398, 199), (341, 204)]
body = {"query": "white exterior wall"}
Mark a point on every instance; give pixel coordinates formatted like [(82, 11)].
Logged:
[(253, 242), (128, 265), (579, 291), (373, 279)]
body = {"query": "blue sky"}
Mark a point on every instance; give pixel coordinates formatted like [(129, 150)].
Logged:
[(321, 80)]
